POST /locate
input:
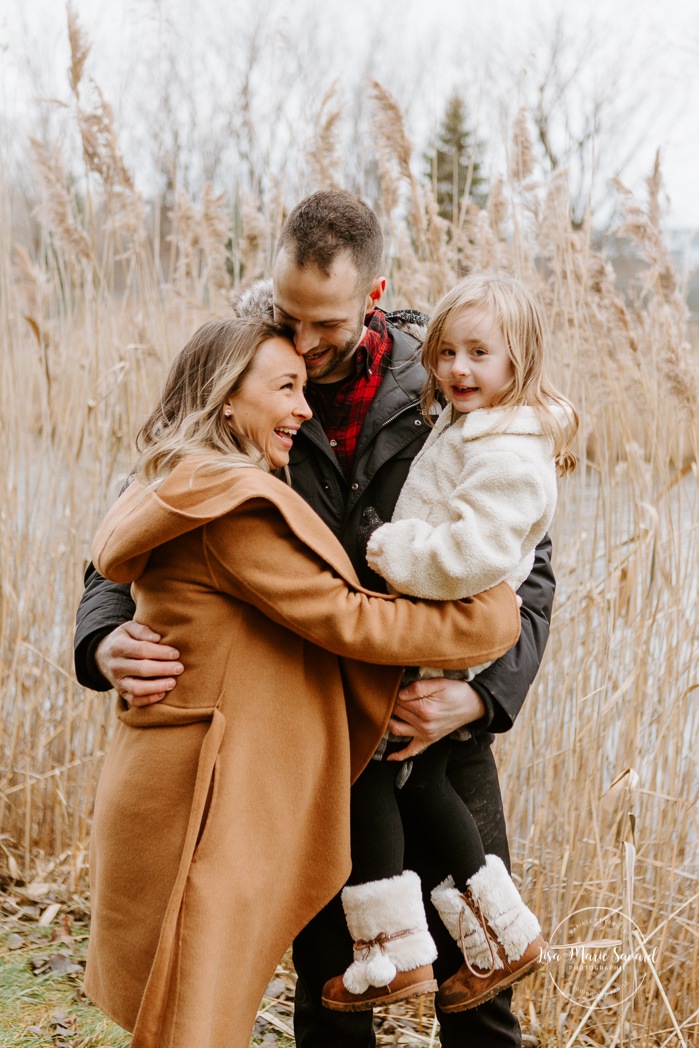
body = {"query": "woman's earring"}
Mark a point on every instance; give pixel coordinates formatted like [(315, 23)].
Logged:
[(228, 412)]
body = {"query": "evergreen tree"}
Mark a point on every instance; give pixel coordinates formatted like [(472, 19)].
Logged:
[(456, 161)]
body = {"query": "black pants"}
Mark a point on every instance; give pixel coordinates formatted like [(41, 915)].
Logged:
[(324, 948), (428, 799)]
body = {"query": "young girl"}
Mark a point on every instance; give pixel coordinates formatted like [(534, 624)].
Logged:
[(478, 498)]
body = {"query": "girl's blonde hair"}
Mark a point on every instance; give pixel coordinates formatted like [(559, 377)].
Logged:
[(189, 416), (519, 319)]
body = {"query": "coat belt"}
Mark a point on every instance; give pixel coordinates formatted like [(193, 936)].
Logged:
[(151, 1014)]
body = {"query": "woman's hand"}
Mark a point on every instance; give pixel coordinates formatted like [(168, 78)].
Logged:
[(427, 710)]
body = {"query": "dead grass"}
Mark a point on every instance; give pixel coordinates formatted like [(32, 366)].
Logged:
[(95, 301)]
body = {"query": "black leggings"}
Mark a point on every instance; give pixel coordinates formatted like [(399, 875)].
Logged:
[(324, 947), (378, 808)]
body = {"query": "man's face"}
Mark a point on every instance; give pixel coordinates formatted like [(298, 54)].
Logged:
[(325, 313)]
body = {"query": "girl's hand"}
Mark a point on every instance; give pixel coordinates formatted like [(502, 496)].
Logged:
[(369, 523)]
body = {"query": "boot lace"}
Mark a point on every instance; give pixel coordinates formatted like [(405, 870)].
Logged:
[(478, 913), (365, 946)]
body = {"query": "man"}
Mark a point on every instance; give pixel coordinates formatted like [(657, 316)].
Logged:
[(364, 388)]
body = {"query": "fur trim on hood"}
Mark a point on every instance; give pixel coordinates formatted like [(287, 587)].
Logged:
[(256, 300)]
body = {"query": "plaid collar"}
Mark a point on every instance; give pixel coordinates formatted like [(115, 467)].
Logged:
[(342, 407), (375, 343)]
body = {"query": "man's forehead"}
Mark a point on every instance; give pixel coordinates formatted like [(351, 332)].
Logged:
[(311, 288)]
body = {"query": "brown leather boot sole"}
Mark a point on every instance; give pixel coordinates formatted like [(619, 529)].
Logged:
[(415, 983), (464, 990)]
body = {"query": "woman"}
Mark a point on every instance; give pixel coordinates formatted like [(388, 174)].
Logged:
[(221, 820)]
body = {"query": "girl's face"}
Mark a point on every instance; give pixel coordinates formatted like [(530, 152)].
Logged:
[(473, 363), (270, 406)]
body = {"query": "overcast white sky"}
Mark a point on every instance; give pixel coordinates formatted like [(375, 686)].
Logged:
[(420, 49)]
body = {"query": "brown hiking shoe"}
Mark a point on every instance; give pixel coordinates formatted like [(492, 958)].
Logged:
[(405, 985), (466, 990)]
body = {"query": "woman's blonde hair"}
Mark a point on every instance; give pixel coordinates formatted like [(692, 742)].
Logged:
[(519, 319), (189, 416)]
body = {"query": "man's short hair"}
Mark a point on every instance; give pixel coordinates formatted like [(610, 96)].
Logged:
[(331, 221)]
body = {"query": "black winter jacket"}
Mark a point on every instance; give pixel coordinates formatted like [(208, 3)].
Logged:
[(392, 434)]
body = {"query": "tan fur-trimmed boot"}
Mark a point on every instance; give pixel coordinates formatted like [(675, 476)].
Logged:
[(500, 938), (393, 950)]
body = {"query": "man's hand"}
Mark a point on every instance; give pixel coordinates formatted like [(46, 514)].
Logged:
[(430, 709), (142, 670)]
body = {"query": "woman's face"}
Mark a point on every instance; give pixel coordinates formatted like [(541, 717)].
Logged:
[(270, 406)]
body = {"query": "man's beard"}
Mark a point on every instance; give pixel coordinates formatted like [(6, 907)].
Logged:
[(340, 354)]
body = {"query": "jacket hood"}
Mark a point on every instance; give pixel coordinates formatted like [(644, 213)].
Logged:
[(144, 517), (195, 493)]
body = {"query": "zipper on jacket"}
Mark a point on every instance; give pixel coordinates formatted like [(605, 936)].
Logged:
[(392, 418), (389, 420), (345, 494)]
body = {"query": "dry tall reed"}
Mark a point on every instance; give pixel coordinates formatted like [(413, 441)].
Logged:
[(91, 310)]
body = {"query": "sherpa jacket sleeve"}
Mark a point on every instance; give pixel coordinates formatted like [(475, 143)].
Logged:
[(255, 557), (500, 496)]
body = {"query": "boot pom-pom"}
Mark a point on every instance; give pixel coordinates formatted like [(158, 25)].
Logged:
[(380, 970), (355, 978)]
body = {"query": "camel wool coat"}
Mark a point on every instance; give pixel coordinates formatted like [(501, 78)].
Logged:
[(221, 821)]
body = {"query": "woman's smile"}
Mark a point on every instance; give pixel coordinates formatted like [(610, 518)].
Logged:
[(286, 435)]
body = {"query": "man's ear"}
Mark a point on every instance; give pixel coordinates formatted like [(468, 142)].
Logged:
[(375, 293)]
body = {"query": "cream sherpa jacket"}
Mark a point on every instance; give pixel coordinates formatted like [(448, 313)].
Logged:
[(479, 497)]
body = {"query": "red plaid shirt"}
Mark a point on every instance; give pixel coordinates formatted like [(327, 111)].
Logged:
[(342, 407)]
